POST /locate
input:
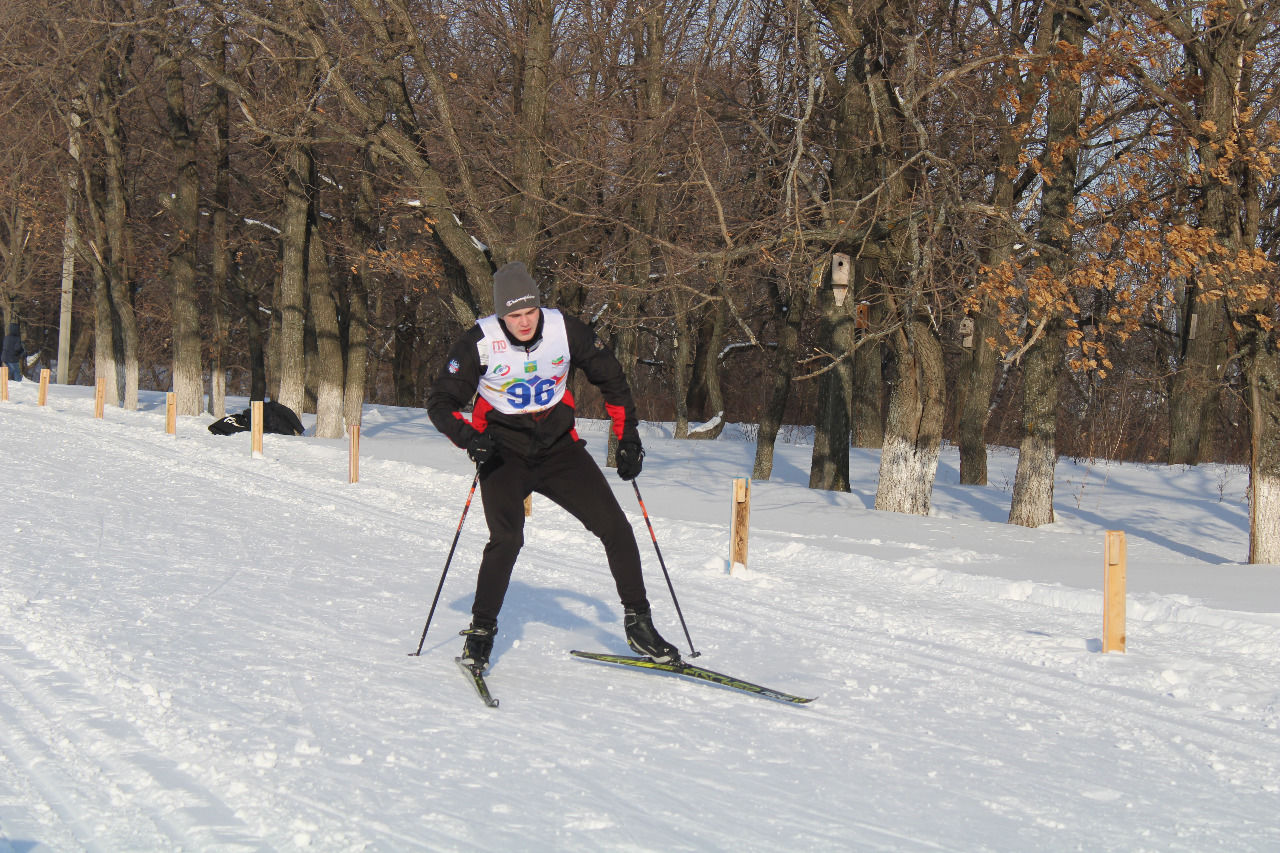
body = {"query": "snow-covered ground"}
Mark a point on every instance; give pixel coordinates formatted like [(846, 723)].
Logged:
[(205, 650)]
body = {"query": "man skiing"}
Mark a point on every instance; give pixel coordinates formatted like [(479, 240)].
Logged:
[(522, 438)]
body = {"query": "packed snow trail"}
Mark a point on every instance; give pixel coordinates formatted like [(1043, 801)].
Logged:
[(204, 650)]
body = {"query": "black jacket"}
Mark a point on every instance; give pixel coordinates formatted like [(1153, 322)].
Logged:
[(276, 418), (13, 350), (529, 435)]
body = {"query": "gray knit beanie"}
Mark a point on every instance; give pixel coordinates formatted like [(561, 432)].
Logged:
[(514, 289)]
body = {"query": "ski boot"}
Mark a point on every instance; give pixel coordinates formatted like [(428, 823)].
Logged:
[(644, 639), (479, 644)]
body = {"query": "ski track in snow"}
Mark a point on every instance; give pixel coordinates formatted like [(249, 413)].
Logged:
[(203, 650)]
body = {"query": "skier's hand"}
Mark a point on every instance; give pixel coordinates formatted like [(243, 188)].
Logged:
[(481, 448), (630, 458)]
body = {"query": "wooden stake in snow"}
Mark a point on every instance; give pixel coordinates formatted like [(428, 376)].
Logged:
[(741, 522), (1113, 637), (353, 464), (255, 414), (99, 397), (528, 507), (171, 413), (4, 384), (44, 386)]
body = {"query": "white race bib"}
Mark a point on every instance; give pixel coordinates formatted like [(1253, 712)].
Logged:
[(517, 382)]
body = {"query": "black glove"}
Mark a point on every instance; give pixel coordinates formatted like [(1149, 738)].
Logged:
[(481, 448), (630, 458)]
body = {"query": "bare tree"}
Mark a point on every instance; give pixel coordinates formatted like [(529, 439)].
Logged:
[(1012, 28), (1061, 38), (328, 369), (184, 206), (1227, 112), (110, 240)]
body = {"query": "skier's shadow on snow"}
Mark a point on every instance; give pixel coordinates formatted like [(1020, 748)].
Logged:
[(526, 603)]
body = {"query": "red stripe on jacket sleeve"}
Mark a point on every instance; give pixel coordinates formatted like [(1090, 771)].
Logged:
[(618, 414), (480, 414)]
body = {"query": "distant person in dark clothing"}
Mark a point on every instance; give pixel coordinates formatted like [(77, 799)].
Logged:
[(13, 353), (521, 435), (277, 418)]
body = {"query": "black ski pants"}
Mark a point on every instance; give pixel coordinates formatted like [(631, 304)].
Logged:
[(572, 479)]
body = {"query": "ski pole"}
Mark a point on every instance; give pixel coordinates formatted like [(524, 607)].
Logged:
[(665, 573), (448, 560)]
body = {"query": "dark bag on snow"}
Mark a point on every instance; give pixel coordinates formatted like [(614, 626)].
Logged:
[(276, 418), (231, 424)]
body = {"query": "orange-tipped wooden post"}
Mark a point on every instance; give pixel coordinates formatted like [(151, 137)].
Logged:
[(255, 412), (44, 386), (353, 446), (1113, 636), (99, 397), (740, 524), (4, 383), (171, 413)]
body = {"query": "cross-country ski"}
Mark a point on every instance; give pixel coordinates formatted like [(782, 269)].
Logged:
[(695, 672)]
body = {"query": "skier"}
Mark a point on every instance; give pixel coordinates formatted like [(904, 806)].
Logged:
[(522, 438), (13, 352)]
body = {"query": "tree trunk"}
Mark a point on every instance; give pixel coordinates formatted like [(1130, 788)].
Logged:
[(403, 374), (271, 349), (708, 350), (534, 54), (647, 54), (1263, 372), (104, 337), (913, 433), (220, 262), (829, 466), (80, 352), (70, 246), (1032, 502), (256, 337), (978, 371), (295, 231), (1217, 57), (681, 358), (357, 350), (1193, 393), (356, 326), (707, 364), (188, 384), (119, 249), (976, 376), (328, 361), (866, 420), (791, 308)]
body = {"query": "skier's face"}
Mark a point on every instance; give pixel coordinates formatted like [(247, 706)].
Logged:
[(524, 323)]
